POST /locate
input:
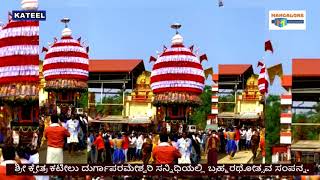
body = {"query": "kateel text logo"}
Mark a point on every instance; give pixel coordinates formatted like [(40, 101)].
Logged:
[(287, 20), (29, 15)]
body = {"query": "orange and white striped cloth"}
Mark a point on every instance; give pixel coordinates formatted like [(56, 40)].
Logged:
[(262, 80)]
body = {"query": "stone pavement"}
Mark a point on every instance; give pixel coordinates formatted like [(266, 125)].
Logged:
[(241, 157), (258, 159), (76, 158)]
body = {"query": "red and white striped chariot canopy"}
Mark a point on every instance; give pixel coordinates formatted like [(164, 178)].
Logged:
[(176, 72), (19, 57), (66, 64)]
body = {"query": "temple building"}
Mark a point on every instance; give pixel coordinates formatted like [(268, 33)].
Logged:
[(300, 135), (177, 80), (112, 86), (139, 109), (236, 100), (250, 104)]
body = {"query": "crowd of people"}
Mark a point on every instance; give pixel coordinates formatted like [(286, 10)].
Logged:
[(118, 148), (63, 132), (15, 150), (235, 139), (18, 154), (123, 147), (76, 124)]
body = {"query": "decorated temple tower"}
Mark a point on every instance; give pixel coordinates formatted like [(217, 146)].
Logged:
[(19, 70), (177, 80), (19, 77), (65, 70)]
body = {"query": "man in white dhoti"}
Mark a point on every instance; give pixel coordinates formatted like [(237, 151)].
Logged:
[(73, 128), (55, 135), (184, 145)]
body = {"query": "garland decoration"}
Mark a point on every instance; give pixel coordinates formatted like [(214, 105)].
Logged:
[(21, 101), (177, 98), (19, 91), (65, 84), (26, 129)]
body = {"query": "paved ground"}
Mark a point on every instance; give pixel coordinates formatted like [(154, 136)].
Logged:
[(76, 158), (258, 159), (241, 157)]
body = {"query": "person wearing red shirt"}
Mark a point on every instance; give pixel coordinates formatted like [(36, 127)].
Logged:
[(9, 155), (165, 153), (237, 138), (99, 143), (55, 135), (125, 146)]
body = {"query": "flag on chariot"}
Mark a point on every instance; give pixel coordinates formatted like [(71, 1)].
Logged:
[(262, 80)]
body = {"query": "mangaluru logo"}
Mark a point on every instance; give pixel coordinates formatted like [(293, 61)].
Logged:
[(287, 20), (281, 22)]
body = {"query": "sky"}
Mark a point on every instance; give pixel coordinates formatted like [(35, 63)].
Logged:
[(126, 29)]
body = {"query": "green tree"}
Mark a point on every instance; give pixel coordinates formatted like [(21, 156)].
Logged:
[(201, 112), (307, 132), (314, 131), (83, 101), (111, 109), (272, 123), (226, 107)]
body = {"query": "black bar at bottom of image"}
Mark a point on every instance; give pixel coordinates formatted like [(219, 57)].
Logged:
[(163, 170)]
